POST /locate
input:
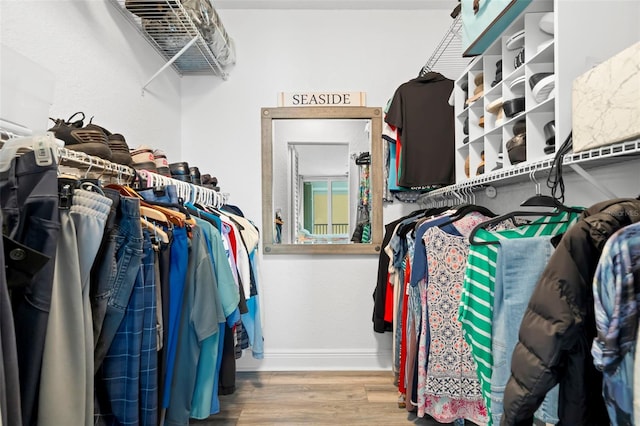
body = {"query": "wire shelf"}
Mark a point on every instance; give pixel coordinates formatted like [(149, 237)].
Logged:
[(90, 163), (166, 25), (591, 158), (447, 57)]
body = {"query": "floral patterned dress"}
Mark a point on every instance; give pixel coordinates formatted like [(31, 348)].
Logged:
[(451, 387)]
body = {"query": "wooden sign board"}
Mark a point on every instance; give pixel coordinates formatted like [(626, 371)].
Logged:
[(316, 99)]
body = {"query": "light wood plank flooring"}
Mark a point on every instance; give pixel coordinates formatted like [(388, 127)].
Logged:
[(315, 398)]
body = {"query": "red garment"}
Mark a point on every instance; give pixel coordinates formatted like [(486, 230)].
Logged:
[(398, 151), (403, 338), (388, 301)]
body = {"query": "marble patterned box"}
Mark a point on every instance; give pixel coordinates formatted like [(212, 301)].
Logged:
[(606, 102)]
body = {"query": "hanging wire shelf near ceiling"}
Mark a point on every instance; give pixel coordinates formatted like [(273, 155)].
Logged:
[(447, 57), (166, 25)]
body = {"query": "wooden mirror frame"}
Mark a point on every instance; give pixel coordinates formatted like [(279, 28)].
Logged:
[(267, 117)]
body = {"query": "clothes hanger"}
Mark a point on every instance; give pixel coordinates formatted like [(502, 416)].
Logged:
[(147, 213), (513, 215), (540, 200), (153, 214), (556, 212), (157, 231), (12, 146), (175, 217)]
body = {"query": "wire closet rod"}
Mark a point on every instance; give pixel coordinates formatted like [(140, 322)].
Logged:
[(187, 191), (89, 163)]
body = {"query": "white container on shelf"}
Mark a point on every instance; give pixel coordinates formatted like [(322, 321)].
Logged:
[(606, 102)]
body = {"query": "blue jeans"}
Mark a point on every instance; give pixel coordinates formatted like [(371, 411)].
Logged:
[(102, 267), (168, 195), (177, 279), (29, 203), (129, 370), (520, 263), (118, 273)]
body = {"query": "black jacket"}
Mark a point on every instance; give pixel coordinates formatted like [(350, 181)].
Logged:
[(558, 327)]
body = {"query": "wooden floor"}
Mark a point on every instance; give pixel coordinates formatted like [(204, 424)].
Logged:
[(313, 398)]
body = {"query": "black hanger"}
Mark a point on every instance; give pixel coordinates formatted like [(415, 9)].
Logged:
[(512, 215), (464, 209), (537, 200), (540, 200)]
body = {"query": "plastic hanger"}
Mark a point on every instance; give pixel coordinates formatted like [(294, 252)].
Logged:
[(39, 144), (524, 213), (540, 200)]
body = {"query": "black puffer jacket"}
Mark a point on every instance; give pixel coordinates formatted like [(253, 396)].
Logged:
[(558, 327)]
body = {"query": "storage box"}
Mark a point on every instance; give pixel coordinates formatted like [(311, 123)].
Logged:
[(606, 102), (481, 29)]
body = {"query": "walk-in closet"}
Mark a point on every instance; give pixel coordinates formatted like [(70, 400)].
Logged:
[(233, 212)]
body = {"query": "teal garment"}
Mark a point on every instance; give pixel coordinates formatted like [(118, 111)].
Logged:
[(198, 324), (203, 393), (206, 377), (227, 288), (253, 317)]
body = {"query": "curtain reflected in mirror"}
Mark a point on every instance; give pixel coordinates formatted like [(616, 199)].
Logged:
[(318, 183)]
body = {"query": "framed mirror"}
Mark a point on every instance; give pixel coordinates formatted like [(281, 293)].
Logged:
[(322, 180)]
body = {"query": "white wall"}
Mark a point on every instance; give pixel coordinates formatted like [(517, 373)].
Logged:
[(318, 308), (99, 63)]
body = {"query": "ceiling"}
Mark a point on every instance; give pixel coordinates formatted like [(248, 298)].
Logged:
[(335, 4)]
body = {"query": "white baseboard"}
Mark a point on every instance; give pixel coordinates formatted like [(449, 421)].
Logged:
[(316, 359)]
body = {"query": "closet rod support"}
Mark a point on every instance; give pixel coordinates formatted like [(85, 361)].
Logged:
[(169, 62), (586, 176)]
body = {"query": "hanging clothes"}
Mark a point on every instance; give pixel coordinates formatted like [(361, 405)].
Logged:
[(106, 298), (10, 412), (477, 300), (29, 203), (563, 303), (69, 348), (450, 389), (519, 265), (424, 119), (615, 292)]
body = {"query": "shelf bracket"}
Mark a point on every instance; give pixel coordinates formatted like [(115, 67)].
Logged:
[(586, 176), (169, 62)]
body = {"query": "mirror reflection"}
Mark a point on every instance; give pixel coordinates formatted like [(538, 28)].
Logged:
[(322, 180), (320, 187)]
